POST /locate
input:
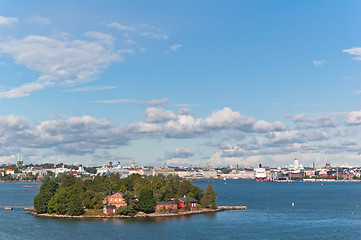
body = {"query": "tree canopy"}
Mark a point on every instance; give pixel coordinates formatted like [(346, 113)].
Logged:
[(73, 195)]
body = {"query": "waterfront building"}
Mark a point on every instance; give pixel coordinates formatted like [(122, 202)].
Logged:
[(165, 205), (61, 170), (115, 199), (296, 166), (328, 165), (181, 202), (109, 209), (9, 172), (165, 171)]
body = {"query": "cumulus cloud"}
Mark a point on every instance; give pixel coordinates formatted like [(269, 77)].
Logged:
[(233, 151), (318, 121), (76, 135), (263, 126), (185, 126), (86, 135), (295, 136), (353, 118), (157, 115), (8, 20), (185, 111), (58, 62), (179, 153)]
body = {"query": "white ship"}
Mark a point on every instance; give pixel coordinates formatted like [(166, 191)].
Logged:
[(260, 173)]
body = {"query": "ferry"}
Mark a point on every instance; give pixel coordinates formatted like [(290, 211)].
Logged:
[(260, 173)]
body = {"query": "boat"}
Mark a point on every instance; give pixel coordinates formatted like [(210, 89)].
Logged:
[(260, 173)]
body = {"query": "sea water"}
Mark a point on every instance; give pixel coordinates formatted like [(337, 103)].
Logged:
[(321, 211)]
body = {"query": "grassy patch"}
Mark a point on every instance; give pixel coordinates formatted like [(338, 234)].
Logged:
[(93, 212)]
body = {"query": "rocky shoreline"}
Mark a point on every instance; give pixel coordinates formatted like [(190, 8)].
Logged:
[(193, 212)]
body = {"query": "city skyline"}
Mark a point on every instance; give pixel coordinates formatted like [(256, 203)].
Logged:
[(181, 83)]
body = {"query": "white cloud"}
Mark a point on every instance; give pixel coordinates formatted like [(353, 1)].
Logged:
[(104, 38), (121, 27), (227, 118), (126, 51), (185, 105), (58, 62), (318, 121), (155, 102), (353, 118), (39, 20), (306, 104), (142, 50), (115, 101), (261, 139), (354, 51), (157, 115), (8, 20), (185, 111), (91, 88), (179, 153), (152, 32), (263, 126), (175, 47), (318, 63)]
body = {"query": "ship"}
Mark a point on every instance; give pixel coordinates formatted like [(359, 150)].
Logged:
[(260, 173)]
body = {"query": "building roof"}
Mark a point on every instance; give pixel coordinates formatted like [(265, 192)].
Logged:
[(183, 199), (110, 207), (165, 203), (113, 193)]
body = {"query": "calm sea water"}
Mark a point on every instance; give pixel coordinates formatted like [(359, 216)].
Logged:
[(328, 211)]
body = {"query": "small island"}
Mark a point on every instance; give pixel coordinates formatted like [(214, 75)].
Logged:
[(109, 196)]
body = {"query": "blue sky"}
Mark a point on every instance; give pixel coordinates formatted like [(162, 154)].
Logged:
[(182, 83)]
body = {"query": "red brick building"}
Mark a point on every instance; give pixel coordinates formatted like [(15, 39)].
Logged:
[(159, 206), (109, 209), (115, 199), (181, 202)]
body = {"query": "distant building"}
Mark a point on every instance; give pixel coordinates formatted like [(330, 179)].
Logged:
[(61, 170), (328, 165), (165, 205), (115, 199), (109, 209), (9, 171), (181, 202), (19, 162)]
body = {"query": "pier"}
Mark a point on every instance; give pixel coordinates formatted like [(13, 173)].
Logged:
[(25, 208)]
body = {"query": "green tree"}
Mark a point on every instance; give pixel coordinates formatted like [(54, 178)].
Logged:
[(67, 180), (73, 202), (66, 201), (41, 200), (91, 199), (127, 211), (187, 203), (146, 200), (210, 197)]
